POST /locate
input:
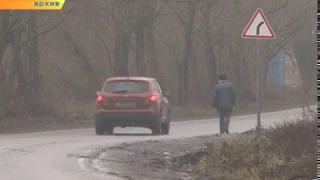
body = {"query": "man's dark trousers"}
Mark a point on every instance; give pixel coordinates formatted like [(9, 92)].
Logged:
[(225, 116)]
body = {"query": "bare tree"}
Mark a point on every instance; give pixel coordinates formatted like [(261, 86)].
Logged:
[(184, 44), (22, 79), (151, 52), (139, 30), (187, 22), (212, 19), (34, 81), (123, 21), (5, 36), (5, 32), (304, 46), (82, 60)]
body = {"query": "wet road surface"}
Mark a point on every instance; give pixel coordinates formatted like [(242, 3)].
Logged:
[(55, 155)]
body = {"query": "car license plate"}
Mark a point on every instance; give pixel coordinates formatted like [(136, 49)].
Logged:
[(126, 104)]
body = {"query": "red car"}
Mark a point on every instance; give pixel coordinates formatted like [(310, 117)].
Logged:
[(132, 102)]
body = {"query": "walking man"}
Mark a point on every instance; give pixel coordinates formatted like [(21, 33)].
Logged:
[(224, 100)]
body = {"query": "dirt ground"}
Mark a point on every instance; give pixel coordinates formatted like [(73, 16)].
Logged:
[(156, 160), (27, 124)]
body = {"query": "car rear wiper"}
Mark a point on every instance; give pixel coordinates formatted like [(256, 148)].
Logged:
[(120, 91)]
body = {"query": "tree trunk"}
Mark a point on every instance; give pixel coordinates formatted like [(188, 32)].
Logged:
[(17, 64), (5, 32), (4, 40), (188, 52), (3, 97), (140, 47), (122, 19), (152, 59), (180, 87), (211, 60), (264, 68), (19, 97), (140, 28), (121, 54), (33, 74), (305, 53)]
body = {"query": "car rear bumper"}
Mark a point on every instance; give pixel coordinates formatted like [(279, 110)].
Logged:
[(127, 118)]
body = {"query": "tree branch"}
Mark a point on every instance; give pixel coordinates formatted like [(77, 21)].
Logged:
[(65, 15)]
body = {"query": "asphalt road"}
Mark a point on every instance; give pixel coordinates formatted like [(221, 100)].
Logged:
[(54, 155)]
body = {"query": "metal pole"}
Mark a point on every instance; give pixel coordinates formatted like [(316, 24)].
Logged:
[(258, 87)]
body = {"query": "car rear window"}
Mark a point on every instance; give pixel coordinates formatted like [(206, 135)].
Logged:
[(126, 87)]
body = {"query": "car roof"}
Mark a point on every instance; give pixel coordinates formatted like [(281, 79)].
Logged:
[(135, 78)]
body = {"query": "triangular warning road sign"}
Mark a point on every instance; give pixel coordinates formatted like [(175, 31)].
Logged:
[(258, 27)]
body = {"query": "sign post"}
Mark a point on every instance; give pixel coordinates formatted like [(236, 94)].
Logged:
[(258, 86), (258, 28)]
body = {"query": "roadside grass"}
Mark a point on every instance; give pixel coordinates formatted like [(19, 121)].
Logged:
[(65, 114), (271, 102), (287, 152)]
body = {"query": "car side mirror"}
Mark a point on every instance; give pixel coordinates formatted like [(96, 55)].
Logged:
[(167, 94), (98, 93)]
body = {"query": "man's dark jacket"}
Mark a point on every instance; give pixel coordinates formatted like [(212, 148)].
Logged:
[(223, 97)]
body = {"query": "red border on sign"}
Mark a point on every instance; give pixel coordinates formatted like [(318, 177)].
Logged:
[(243, 34)]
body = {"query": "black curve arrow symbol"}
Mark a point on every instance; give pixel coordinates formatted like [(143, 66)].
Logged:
[(258, 27)]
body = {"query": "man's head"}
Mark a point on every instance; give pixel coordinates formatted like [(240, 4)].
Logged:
[(222, 77)]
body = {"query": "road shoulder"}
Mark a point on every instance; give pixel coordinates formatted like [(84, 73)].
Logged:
[(156, 160)]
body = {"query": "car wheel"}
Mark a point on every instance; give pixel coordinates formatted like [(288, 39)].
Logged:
[(166, 126), (156, 129), (99, 127), (109, 130)]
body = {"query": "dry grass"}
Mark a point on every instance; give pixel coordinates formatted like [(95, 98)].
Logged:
[(272, 101), (74, 114), (287, 151)]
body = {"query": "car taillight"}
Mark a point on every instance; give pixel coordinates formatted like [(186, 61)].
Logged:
[(152, 99), (101, 102), (100, 98)]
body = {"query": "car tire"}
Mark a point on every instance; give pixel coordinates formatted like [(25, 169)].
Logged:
[(166, 126), (156, 129), (109, 130), (99, 127)]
